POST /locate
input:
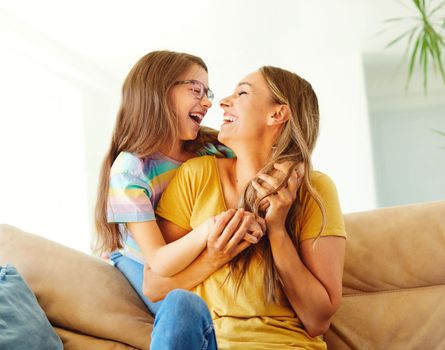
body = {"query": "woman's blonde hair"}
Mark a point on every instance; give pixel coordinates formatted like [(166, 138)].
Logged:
[(144, 123), (295, 143)]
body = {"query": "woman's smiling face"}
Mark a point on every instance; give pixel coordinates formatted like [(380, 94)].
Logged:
[(247, 110)]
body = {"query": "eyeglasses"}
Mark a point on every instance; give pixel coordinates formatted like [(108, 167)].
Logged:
[(198, 89)]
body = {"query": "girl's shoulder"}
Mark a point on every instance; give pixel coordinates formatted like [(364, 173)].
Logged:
[(127, 162)]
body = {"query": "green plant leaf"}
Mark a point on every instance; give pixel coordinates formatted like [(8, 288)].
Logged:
[(410, 39), (437, 8), (413, 59), (395, 19), (435, 50), (428, 40), (442, 133), (423, 61), (398, 38), (420, 4)]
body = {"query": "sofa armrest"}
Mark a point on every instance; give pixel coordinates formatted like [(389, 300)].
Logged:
[(78, 292)]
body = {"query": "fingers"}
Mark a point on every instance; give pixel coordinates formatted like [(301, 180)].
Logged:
[(239, 248), (264, 205), (231, 227), (271, 180), (262, 191), (221, 220), (257, 223), (294, 182), (251, 238), (284, 167), (262, 223), (240, 232), (300, 169)]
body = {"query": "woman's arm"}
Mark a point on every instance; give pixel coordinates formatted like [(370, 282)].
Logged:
[(312, 282), (225, 241)]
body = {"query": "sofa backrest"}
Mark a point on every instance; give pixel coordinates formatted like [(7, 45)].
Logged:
[(394, 280)]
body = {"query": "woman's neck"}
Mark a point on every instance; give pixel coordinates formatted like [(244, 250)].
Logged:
[(246, 166), (236, 173)]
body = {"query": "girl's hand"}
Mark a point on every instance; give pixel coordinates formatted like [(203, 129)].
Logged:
[(233, 231), (279, 202), (253, 226)]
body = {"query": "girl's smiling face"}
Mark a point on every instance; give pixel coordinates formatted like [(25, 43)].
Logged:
[(188, 108)]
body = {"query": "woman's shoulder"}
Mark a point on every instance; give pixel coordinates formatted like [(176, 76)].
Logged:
[(198, 167), (322, 184), (199, 163), (321, 180)]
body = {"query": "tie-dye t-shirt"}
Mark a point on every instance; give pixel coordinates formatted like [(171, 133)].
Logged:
[(136, 185)]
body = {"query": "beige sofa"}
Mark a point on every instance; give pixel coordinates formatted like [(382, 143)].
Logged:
[(394, 286)]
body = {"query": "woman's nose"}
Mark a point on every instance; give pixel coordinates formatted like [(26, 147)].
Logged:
[(225, 102)]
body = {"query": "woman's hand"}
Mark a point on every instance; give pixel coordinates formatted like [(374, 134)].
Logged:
[(279, 203)]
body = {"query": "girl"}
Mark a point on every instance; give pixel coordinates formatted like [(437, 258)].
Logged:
[(282, 292), (164, 99)]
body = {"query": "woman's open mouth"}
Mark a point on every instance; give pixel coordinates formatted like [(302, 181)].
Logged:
[(227, 119)]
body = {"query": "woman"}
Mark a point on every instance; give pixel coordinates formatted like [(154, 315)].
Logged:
[(282, 292)]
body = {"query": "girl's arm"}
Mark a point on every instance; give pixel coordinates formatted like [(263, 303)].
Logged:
[(225, 241), (168, 259), (170, 255), (312, 282)]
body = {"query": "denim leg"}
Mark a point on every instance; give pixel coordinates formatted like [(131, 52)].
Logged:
[(183, 322), (134, 273)]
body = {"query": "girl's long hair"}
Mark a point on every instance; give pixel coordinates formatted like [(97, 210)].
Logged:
[(144, 123), (295, 143)]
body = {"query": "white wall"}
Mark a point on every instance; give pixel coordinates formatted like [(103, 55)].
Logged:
[(93, 45), (50, 144), (409, 156)]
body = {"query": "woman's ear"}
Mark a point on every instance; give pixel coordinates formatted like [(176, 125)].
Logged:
[(281, 115)]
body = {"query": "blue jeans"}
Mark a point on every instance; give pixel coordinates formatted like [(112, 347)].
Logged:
[(192, 329)]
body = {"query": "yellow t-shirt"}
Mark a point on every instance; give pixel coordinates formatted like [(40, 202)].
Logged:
[(244, 321)]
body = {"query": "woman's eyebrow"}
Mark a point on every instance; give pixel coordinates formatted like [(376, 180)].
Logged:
[(244, 83)]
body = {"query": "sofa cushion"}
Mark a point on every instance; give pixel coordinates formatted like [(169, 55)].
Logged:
[(76, 341), (23, 324), (77, 291), (407, 319)]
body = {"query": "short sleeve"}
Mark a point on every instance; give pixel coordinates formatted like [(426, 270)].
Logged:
[(312, 216), (129, 196), (178, 199)]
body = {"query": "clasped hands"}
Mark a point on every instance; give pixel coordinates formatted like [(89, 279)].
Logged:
[(232, 231)]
